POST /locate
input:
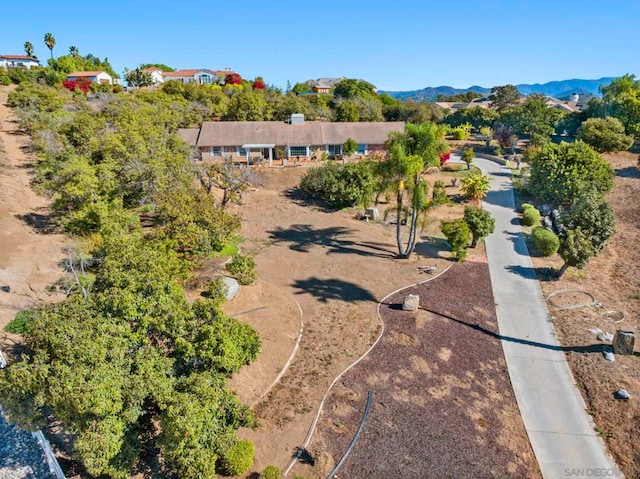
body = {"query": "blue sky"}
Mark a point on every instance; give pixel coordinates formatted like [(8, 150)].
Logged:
[(396, 46)]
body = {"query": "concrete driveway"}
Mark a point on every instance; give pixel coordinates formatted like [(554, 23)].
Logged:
[(561, 432)]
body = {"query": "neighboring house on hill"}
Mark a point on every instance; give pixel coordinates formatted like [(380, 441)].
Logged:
[(157, 75), (94, 77), (243, 140), (453, 106), (202, 75), (18, 61), (321, 89)]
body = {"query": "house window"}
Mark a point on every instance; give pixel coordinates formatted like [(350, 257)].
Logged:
[(334, 150), (298, 151), (216, 151), (362, 150), (241, 151), (204, 79)]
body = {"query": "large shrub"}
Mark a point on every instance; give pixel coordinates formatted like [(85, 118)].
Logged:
[(243, 268), (340, 185), (546, 242), (530, 217), (457, 233), (560, 173), (238, 459), (480, 223), (604, 134)]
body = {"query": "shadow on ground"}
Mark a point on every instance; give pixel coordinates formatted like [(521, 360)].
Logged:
[(327, 289)]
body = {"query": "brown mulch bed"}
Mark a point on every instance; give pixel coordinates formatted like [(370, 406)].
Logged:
[(442, 401)]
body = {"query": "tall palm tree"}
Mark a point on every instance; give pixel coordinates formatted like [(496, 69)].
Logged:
[(475, 187), (410, 154), (73, 51), (28, 49), (50, 42)]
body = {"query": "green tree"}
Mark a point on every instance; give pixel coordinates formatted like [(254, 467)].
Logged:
[(621, 100), (576, 249), (50, 42), (480, 223), (350, 88), (595, 218), (410, 154), (533, 118), (477, 117), (347, 111), (503, 97), (475, 186), (457, 233), (73, 51), (561, 173), (160, 66), (28, 49), (248, 105), (349, 147), (467, 156), (138, 78), (604, 134)]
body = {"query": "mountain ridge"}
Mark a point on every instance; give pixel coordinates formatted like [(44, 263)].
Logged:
[(556, 88)]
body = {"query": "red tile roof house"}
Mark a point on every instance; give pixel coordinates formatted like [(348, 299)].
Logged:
[(202, 75), (18, 61), (97, 77), (245, 141)]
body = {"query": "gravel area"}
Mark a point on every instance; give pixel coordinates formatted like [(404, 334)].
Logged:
[(21, 457), (442, 406)]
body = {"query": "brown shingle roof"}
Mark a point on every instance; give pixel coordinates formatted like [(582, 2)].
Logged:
[(232, 133), (190, 135)]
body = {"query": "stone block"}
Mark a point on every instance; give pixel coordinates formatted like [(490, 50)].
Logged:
[(411, 303), (623, 342)]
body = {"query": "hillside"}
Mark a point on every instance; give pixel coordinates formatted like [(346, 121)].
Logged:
[(558, 89)]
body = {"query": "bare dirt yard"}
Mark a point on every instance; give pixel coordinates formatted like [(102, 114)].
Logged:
[(30, 249), (327, 270), (613, 278)]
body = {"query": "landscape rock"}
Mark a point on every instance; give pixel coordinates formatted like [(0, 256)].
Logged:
[(232, 287), (6, 289), (604, 336), (411, 303), (373, 213), (621, 394), (623, 342), (608, 353)]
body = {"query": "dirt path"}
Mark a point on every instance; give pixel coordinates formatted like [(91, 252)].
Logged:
[(29, 257)]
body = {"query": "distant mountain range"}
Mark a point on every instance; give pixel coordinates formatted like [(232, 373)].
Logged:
[(557, 89)]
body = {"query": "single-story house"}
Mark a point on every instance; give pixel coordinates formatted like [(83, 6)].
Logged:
[(202, 75), (157, 75), (94, 77), (321, 89), (18, 61), (297, 138)]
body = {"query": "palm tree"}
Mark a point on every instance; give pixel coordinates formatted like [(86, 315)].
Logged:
[(475, 186), (50, 42), (73, 51), (410, 154), (28, 49)]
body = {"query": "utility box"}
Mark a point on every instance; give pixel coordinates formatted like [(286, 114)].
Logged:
[(297, 119)]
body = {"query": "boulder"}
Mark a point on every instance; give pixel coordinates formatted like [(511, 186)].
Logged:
[(608, 353), (232, 287), (373, 213), (623, 342), (411, 303), (604, 336)]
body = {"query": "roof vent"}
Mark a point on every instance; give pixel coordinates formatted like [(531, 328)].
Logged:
[(297, 119)]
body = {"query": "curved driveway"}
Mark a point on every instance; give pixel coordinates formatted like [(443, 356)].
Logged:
[(561, 432)]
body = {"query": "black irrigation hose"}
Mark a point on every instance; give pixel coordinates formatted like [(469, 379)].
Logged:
[(355, 438)]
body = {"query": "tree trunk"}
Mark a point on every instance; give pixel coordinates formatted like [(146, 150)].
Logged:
[(562, 270), (398, 224), (474, 241)]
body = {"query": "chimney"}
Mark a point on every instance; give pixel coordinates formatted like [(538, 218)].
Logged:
[(297, 119)]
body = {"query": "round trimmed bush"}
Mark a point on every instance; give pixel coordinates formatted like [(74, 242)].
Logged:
[(526, 206), (238, 459), (271, 472), (546, 242), (531, 217)]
